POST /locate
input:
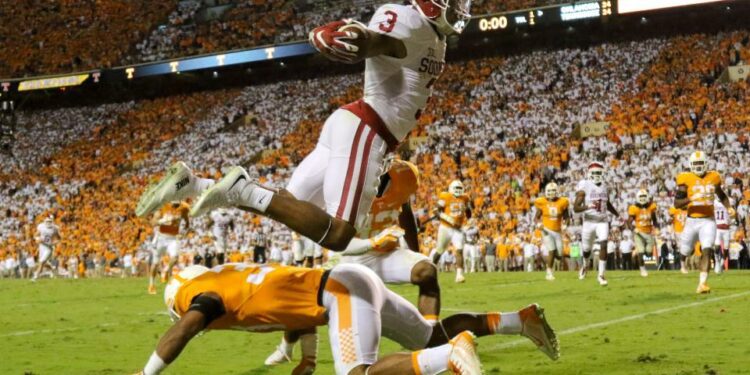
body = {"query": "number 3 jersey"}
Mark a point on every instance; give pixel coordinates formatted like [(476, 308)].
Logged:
[(700, 191), (398, 89), (259, 298), (596, 201)]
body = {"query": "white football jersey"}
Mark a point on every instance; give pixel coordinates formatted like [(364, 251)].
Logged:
[(472, 235), (398, 89), (221, 218), (721, 215), (46, 233), (596, 201)]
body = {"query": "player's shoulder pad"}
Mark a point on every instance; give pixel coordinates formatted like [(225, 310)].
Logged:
[(683, 178), (714, 176), (632, 209), (539, 201), (564, 201)]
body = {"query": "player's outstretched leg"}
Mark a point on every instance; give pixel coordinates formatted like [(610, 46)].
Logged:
[(424, 275), (529, 322), (238, 190)]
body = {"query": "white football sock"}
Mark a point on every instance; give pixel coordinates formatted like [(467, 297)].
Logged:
[(459, 271), (199, 185), (505, 323), (602, 267), (549, 271), (703, 277), (254, 196), (286, 348), (432, 361)]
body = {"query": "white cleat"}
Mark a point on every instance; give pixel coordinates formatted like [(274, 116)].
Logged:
[(602, 281), (222, 193), (464, 359), (550, 277), (460, 278), (684, 270), (644, 273), (174, 186), (582, 273), (535, 328), (278, 357)]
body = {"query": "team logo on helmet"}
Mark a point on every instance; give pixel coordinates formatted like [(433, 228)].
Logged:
[(456, 188), (550, 191), (698, 163), (449, 16)]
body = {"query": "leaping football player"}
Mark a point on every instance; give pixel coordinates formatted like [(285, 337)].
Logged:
[(592, 199), (642, 220), (331, 191), (696, 191), (355, 305), (552, 216)]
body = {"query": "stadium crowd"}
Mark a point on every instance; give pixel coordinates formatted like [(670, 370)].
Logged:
[(506, 126)]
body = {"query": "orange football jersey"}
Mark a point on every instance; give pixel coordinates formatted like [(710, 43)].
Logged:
[(259, 298), (552, 212), (386, 209), (170, 217), (678, 218), (700, 192), (454, 207), (642, 216)]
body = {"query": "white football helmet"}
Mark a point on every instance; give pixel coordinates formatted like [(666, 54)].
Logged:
[(550, 191), (698, 163), (449, 16), (596, 172), (456, 188), (49, 219), (642, 197), (174, 285)]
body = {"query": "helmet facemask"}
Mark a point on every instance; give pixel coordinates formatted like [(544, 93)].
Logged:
[(456, 188), (550, 191), (642, 198), (596, 175)]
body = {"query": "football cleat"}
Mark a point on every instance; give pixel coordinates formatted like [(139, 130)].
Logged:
[(535, 328), (550, 277), (683, 270), (602, 281), (703, 289), (305, 367), (278, 357), (151, 289), (464, 359), (582, 273), (174, 186), (460, 278), (224, 193), (644, 273)]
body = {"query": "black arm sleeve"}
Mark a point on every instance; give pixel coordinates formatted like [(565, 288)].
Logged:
[(211, 308)]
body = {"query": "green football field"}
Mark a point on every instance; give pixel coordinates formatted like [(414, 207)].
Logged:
[(654, 325)]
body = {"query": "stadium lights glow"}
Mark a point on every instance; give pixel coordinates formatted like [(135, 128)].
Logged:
[(630, 6)]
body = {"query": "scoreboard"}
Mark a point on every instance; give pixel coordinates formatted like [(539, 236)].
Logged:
[(549, 15)]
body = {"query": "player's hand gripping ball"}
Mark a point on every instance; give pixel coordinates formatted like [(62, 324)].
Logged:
[(343, 41)]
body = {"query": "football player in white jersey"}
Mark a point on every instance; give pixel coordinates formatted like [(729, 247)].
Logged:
[(221, 222), (471, 247), (331, 191), (592, 199), (47, 235), (724, 218)]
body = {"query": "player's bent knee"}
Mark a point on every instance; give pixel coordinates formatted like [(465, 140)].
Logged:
[(424, 272), (359, 370)]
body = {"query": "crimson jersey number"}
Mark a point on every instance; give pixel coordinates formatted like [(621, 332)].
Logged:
[(390, 23)]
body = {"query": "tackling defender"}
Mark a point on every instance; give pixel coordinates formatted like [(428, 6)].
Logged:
[(592, 199), (642, 220), (552, 216), (352, 301), (696, 191), (404, 48)]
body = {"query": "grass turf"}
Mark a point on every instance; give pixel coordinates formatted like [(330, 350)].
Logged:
[(654, 325)]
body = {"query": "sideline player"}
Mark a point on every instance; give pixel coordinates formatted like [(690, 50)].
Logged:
[(404, 48), (47, 235), (222, 223), (592, 199), (696, 191), (642, 220), (454, 207), (471, 248), (724, 216), (167, 221), (553, 212), (354, 303), (679, 216)]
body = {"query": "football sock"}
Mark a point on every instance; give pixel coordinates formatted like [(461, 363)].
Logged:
[(309, 344), (703, 277), (254, 196), (432, 319), (504, 323), (602, 267), (431, 361), (549, 271), (286, 348)]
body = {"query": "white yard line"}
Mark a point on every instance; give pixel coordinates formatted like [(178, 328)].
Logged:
[(56, 330), (628, 318)]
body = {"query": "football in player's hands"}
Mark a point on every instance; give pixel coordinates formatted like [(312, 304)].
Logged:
[(342, 41)]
